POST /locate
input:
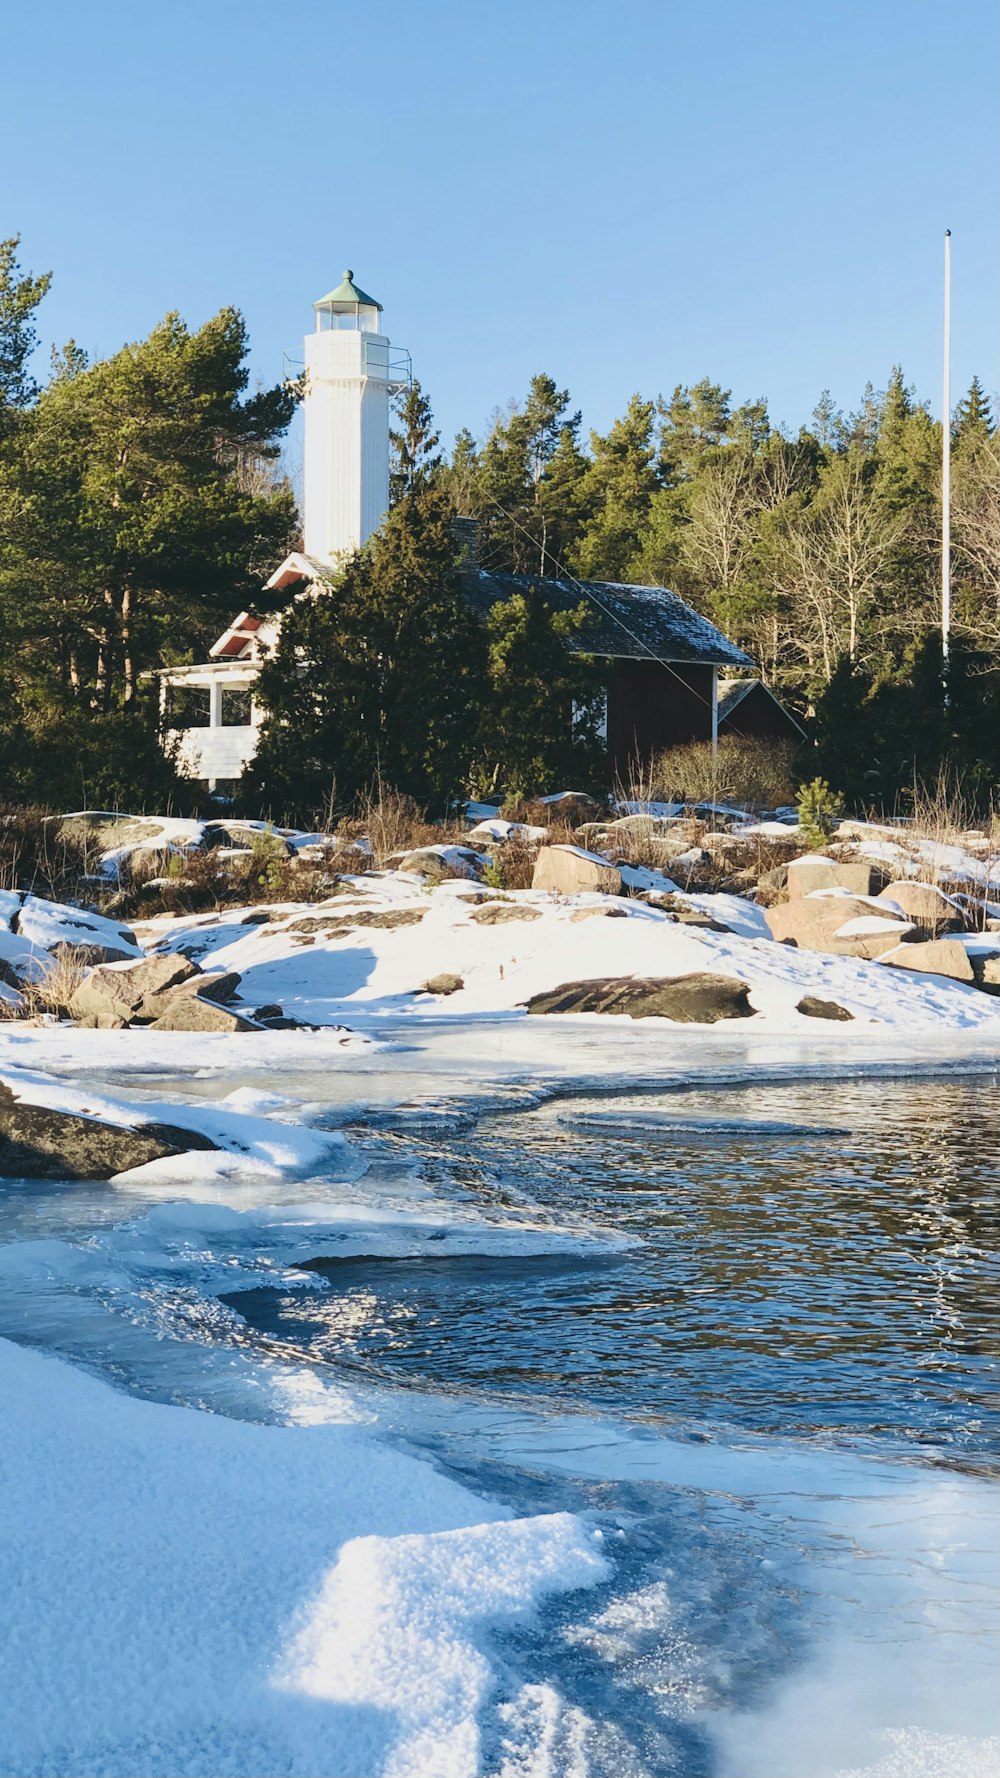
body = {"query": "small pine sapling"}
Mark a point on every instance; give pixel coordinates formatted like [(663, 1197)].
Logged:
[(818, 809)]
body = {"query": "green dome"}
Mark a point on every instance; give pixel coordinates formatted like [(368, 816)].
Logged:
[(348, 295)]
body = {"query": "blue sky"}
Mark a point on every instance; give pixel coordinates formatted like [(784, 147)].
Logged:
[(625, 196)]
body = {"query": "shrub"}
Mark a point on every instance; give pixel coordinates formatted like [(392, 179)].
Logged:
[(752, 774)]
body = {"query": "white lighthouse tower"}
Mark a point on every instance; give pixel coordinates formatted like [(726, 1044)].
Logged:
[(209, 711), (350, 375)]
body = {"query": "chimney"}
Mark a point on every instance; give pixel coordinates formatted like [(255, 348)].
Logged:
[(466, 534)]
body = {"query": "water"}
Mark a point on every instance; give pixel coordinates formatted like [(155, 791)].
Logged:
[(750, 1330), (791, 1274)]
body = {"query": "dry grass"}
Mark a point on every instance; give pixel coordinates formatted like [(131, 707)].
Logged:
[(51, 992), (36, 855)]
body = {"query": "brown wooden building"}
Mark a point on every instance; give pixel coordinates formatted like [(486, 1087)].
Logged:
[(663, 661)]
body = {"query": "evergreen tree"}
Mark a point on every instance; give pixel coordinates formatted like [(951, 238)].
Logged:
[(413, 444), (379, 676), (692, 422), (513, 482), (973, 415), (20, 295), (134, 534), (618, 487), (540, 721)]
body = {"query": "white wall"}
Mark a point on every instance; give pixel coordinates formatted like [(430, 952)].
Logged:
[(346, 468)]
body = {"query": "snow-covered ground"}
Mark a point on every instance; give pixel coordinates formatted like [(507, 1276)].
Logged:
[(191, 1592), (324, 973)]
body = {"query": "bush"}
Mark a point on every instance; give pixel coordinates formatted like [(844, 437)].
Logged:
[(818, 811), (752, 774)]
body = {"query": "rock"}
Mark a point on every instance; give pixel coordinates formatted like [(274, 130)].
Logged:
[(775, 880), (119, 993), (813, 923), (496, 913), (986, 970), (569, 871), (271, 1011), (88, 955), (933, 956), (817, 872), (388, 918), (443, 984), (440, 866), (186, 1013), (698, 999), (37, 1142), (929, 906), (811, 1008), (259, 917), (220, 987), (609, 913), (341, 924)]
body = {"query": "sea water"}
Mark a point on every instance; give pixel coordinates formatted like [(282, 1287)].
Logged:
[(749, 1330)]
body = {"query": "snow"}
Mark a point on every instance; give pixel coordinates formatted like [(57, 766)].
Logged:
[(47, 923), (244, 1141), (507, 830), (365, 973), (186, 1593)]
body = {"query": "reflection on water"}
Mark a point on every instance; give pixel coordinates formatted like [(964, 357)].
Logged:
[(822, 1267)]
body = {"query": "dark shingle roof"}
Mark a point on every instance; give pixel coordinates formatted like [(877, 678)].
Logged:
[(630, 622)]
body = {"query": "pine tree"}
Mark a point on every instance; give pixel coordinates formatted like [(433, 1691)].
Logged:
[(381, 676), (693, 421), (20, 295), (973, 415), (413, 442), (540, 720), (619, 488), (136, 532)]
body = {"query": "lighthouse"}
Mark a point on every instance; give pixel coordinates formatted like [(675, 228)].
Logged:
[(350, 375)]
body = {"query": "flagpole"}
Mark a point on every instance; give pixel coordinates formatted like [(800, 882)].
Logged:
[(946, 469)]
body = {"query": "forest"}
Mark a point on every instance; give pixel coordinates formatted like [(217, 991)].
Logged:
[(143, 501)]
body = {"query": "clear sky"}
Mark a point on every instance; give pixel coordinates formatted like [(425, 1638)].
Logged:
[(625, 195)]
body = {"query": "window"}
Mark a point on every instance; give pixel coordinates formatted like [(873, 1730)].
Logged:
[(236, 706), (188, 706)]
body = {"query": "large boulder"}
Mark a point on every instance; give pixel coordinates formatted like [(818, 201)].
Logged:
[(219, 986), (933, 956), (37, 1142), (570, 871), (698, 999), (926, 904), (818, 872), (118, 991), (818, 922), (188, 1013)]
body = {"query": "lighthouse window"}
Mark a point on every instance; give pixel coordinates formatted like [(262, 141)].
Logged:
[(235, 706)]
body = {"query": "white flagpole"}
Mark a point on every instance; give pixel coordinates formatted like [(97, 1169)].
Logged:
[(946, 468)]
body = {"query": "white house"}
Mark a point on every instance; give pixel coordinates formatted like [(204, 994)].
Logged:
[(351, 373)]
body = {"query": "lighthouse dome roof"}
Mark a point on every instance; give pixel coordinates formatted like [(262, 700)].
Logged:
[(347, 292)]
